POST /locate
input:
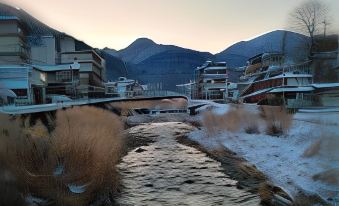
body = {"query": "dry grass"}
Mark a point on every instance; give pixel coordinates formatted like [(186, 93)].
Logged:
[(265, 191), (251, 170), (176, 103), (86, 143), (277, 119), (272, 195), (313, 150), (234, 120)]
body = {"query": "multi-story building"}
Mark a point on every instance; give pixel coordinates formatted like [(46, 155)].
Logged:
[(60, 79), (123, 87), (26, 82), (211, 80), (27, 42), (13, 41), (33, 83), (92, 66)]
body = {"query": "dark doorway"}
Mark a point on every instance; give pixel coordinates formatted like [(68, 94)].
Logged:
[(38, 95)]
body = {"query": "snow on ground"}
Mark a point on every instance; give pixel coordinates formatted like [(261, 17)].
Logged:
[(281, 158)]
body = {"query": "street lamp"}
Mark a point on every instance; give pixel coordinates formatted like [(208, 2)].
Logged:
[(75, 65)]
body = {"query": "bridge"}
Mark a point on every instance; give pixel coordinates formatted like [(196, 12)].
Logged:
[(28, 109)]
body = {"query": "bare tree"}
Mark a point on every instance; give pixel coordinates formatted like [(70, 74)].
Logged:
[(308, 18)]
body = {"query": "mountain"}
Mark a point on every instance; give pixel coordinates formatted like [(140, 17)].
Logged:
[(290, 43), (171, 67), (143, 48), (115, 67), (150, 62)]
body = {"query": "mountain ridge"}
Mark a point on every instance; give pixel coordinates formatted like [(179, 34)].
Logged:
[(152, 62)]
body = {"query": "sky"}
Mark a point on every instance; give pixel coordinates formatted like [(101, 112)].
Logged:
[(204, 25)]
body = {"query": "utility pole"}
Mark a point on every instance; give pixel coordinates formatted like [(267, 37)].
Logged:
[(72, 79), (226, 89), (325, 22)]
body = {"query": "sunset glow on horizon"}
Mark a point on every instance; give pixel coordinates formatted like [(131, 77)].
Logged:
[(204, 25)]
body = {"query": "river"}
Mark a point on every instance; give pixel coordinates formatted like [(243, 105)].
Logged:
[(166, 172)]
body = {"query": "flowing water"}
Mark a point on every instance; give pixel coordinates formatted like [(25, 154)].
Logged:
[(168, 173)]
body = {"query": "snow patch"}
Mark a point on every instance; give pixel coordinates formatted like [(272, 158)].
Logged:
[(281, 158)]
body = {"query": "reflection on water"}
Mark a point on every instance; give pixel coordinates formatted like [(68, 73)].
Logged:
[(168, 173)]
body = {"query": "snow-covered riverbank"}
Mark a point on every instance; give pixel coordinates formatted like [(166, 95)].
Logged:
[(282, 158)]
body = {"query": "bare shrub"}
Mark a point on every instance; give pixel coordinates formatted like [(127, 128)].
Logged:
[(234, 120), (88, 143), (330, 177), (277, 119), (250, 122), (252, 129), (210, 122), (326, 147), (313, 149), (82, 151)]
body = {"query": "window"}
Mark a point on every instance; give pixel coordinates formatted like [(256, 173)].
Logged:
[(64, 76), (21, 93)]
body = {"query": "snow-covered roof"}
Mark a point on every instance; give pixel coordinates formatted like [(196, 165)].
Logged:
[(215, 75), (215, 68), (325, 85), (61, 67), (291, 75), (257, 92), (292, 89), (187, 84)]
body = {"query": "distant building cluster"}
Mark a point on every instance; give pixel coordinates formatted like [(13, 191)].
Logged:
[(270, 79), (38, 63)]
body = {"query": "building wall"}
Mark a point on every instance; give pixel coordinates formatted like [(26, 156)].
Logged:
[(67, 44), (52, 77), (16, 78), (45, 52), (68, 58), (13, 48), (8, 27), (92, 68), (11, 60), (84, 78), (38, 78), (11, 27), (298, 81)]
